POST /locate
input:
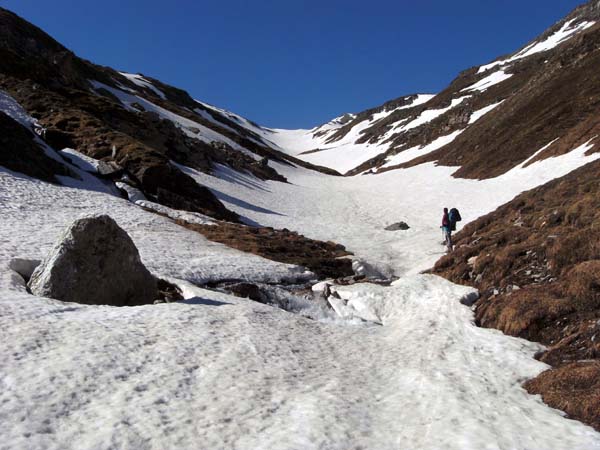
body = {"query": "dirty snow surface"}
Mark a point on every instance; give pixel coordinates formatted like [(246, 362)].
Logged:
[(220, 372)]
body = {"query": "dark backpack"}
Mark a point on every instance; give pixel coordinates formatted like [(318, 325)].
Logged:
[(453, 217)]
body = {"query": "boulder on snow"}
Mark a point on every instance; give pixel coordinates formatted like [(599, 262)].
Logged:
[(397, 226), (94, 262)]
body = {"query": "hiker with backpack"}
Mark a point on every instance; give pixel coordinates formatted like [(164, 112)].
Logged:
[(449, 220)]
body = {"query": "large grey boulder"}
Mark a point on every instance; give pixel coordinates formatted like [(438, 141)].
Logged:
[(95, 262)]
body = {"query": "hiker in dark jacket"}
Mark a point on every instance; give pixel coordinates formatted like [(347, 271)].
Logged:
[(447, 228)]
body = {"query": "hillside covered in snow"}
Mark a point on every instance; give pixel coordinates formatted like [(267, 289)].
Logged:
[(299, 321), (488, 120)]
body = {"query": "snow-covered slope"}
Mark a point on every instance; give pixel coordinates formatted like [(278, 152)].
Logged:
[(319, 145), (511, 90), (231, 373)]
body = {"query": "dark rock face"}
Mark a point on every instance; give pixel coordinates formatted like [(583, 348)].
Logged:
[(95, 262), (247, 290), (20, 152), (398, 226)]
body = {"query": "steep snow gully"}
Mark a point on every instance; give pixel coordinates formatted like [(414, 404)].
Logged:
[(216, 371)]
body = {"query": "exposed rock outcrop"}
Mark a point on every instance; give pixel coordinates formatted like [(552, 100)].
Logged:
[(94, 262), (19, 152)]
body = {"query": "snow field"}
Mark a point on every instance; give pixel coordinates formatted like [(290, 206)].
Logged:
[(231, 373), (354, 210), (415, 152), (35, 213), (346, 154)]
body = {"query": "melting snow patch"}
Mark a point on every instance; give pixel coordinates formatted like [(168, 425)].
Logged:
[(142, 82), (14, 110), (566, 32), (430, 114), (482, 112), (489, 81), (420, 100), (415, 152), (189, 127), (80, 160)]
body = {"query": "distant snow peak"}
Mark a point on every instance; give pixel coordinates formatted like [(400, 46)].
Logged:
[(567, 31)]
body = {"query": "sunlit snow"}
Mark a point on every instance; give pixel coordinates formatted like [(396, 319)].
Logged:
[(415, 152), (142, 82), (482, 112), (489, 81), (567, 31), (347, 153)]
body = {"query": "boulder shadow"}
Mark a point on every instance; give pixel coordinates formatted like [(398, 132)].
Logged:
[(242, 204), (203, 301)]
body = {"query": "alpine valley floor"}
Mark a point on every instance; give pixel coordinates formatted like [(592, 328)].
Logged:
[(216, 371)]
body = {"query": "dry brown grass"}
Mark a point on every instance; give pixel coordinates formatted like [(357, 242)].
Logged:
[(323, 258), (574, 246), (524, 313), (574, 388), (582, 285)]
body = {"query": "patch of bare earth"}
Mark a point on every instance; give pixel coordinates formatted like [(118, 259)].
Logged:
[(536, 262)]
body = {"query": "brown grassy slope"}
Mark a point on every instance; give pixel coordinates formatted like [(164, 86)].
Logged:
[(536, 262), (325, 259), (94, 124)]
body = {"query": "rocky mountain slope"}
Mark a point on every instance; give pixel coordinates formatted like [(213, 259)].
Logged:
[(488, 120), (135, 124)]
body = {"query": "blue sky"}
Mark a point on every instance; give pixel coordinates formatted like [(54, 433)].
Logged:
[(294, 64)]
